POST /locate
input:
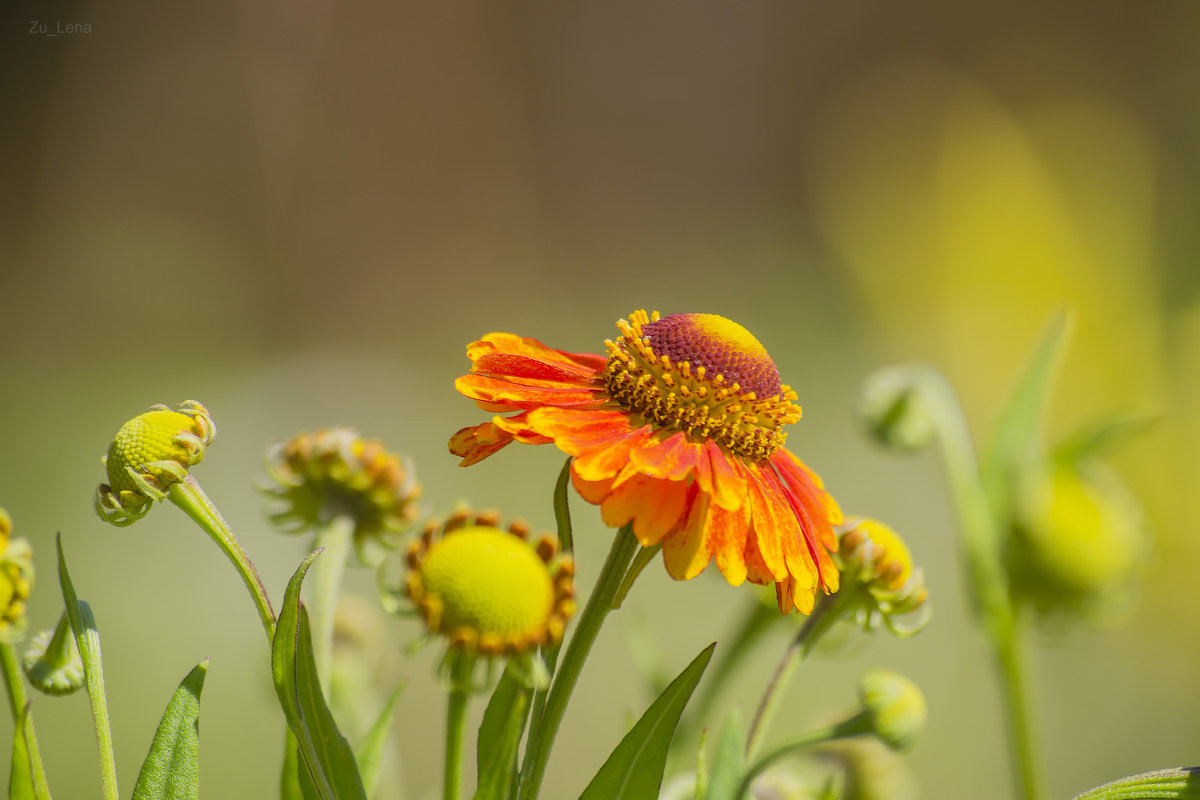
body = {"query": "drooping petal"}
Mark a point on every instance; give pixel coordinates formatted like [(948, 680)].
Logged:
[(495, 394), (511, 344), (655, 507), (534, 372), (601, 440), (684, 553), (725, 534), (767, 524), (728, 483), (674, 458), (478, 442)]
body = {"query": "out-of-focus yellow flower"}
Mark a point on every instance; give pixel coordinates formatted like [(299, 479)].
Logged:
[(16, 581), (149, 453), (1079, 538), (879, 582), (489, 590), (316, 477), (679, 431)]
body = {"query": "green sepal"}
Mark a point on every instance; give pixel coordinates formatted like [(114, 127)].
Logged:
[(1182, 783), (370, 752), (172, 767), (634, 771), (728, 760), (499, 735), (1017, 435), (327, 761), (27, 778)]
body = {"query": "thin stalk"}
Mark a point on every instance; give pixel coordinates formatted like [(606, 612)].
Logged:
[(643, 557), (816, 624), (541, 737), (855, 726), (335, 536), (14, 679), (88, 640), (188, 495), (456, 716), (988, 580), (562, 509)]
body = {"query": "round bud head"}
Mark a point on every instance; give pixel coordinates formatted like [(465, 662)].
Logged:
[(895, 706)]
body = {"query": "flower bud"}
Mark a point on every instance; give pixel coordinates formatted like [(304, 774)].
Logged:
[(16, 581), (52, 662), (879, 582), (1078, 540), (894, 411), (149, 453), (315, 477), (895, 707)]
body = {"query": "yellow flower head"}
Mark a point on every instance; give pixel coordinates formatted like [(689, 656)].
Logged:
[(150, 452), (317, 477), (1079, 539), (489, 590), (878, 577), (16, 581)]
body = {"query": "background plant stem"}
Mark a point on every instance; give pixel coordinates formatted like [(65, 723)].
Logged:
[(335, 536), (541, 737), (456, 715)]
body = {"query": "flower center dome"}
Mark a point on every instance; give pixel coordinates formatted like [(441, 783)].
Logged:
[(703, 375)]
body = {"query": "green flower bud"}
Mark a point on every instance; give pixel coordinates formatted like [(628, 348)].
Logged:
[(52, 661), (16, 581), (315, 477), (149, 453), (895, 707), (879, 582), (1078, 540), (894, 411)]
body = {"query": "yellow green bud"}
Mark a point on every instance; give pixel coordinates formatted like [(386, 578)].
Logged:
[(52, 661), (879, 582), (894, 706), (149, 453), (1079, 538), (894, 411)]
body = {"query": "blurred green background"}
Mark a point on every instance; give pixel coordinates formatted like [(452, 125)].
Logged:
[(300, 214)]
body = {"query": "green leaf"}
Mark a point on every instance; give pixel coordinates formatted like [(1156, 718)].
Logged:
[(27, 779), (729, 759), (634, 771), (1167, 783), (172, 768), (289, 776), (1105, 435), (329, 768), (1019, 429), (370, 752), (562, 509), (498, 737)]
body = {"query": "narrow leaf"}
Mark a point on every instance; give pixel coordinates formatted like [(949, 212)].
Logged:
[(1106, 435), (172, 768), (27, 779), (1019, 428), (1166, 783), (289, 775), (333, 751), (87, 639), (729, 760), (370, 752), (634, 771), (499, 735)]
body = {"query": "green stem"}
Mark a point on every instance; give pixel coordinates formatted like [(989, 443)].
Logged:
[(335, 536), (643, 557), (14, 679), (988, 579), (541, 737), (88, 640), (562, 510), (456, 715), (188, 495), (857, 725), (814, 627)]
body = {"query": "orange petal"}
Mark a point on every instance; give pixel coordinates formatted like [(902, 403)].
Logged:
[(673, 458), (518, 426), (601, 440), (725, 537), (533, 371), (478, 442), (728, 483), (511, 344), (683, 548), (768, 523), (655, 506), (503, 395), (592, 491)]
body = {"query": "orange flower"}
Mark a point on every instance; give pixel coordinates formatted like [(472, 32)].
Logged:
[(679, 431)]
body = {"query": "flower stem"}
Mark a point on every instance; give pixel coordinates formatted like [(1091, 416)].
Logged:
[(14, 680), (816, 625), (456, 715), (854, 726), (988, 579), (335, 536), (188, 495), (541, 737)]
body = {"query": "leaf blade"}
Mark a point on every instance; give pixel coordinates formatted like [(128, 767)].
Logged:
[(172, 767)]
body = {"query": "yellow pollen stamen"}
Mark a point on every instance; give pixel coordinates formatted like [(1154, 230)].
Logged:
[(698, 399)]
